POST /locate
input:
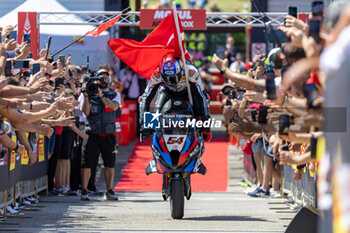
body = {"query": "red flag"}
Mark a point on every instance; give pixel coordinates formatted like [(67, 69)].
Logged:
[(103, 27), (144, 57)]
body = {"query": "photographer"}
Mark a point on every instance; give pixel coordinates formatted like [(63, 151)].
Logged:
[(99, 106)]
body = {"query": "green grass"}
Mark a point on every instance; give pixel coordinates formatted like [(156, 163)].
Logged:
[(223, 5)]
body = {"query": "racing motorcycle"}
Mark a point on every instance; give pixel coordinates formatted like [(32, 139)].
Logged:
[(177, 148)]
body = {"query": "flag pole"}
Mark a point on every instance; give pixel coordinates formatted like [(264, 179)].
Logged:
[(74, 41), (182, 54)]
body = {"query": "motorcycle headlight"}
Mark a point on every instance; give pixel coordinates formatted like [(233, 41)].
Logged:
[(195, 151)]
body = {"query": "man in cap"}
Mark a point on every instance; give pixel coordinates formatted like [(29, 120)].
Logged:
[(99, 107)]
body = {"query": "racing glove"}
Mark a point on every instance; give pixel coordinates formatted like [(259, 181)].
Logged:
[(207, 136)]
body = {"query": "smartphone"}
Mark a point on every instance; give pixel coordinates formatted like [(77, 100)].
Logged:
[(270, 74), (21, 64), (262, 114), (220, 51), (48, 48), (253, 113), (310, 93), (59, 81), (314, 30), (284, 122), (276, 36), (313, 147), (317, 8), (271, 89), (26, 38), (293, 11), (12, 35), (36, 68), (229, 92), (62, 59), (8, 69)]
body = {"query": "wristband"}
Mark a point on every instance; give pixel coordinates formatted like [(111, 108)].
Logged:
[(16, 148), (30, 106), (222, 71)]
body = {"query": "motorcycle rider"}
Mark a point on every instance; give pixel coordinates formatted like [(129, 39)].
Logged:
[(170, 79)]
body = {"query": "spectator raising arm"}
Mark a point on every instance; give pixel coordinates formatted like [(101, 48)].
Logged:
[(240, 80)]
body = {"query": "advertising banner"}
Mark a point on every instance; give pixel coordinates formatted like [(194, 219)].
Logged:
[(27, 24), (39, 169), (190, 19)]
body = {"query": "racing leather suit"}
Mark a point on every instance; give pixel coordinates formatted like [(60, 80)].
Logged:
[(199, 95)]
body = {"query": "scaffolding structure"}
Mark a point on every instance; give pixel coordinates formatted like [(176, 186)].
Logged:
[(213, 19)]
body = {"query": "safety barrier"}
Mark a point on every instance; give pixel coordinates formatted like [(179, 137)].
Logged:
[(304, 191), (18, 178), (127, 123), (123, 135), (132, 106)]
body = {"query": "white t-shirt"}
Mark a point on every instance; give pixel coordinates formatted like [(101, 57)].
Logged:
[(236, 66), (335, 55), (130, 81)]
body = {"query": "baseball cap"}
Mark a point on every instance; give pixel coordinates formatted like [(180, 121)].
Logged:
[(248, 65), (102, 71), (276, 59)]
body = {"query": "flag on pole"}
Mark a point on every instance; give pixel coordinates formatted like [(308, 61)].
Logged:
[(145, 56), (103, 27)]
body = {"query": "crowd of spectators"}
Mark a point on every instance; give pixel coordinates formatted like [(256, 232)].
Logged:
[(44, 96), (275, 102), (278, 107)]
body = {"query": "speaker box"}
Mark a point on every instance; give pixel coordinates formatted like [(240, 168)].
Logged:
[(305, 221)]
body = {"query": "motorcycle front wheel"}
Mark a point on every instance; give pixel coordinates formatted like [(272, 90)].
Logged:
[(177, 201)]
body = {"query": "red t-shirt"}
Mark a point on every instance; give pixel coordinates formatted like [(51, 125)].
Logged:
[(59, 130), (248, 148)]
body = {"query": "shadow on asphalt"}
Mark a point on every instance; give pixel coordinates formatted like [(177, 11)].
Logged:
[(225, 218), (160, 200)]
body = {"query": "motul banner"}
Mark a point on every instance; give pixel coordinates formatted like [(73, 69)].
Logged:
[(27, 23), (190, 19)]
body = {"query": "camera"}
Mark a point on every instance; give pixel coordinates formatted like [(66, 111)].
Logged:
[(229, 91), (59, 81), (271, 89), (317, 8), (313, 145), (92, 86), (253, 114), (293, 11), (262, 114), (3, 152), (310, 93), (314, 30), (284, 122)]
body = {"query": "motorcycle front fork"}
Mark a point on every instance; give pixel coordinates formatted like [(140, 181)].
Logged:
[(167, 177)]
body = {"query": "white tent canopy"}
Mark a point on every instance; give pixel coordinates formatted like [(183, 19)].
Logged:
[(62, 35)]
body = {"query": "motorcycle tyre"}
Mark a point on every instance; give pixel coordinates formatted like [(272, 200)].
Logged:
[(177, 201)]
